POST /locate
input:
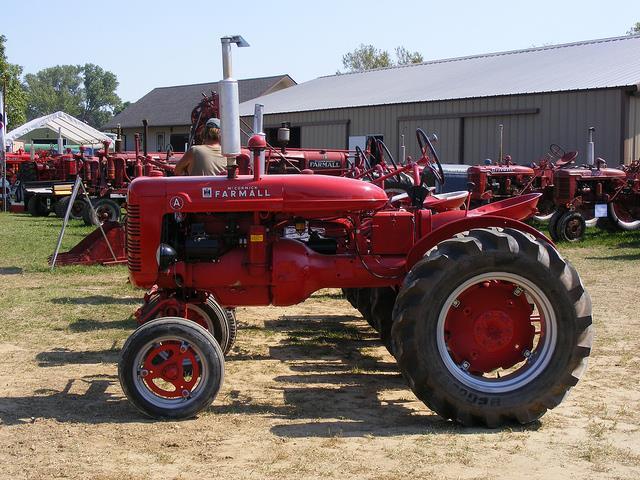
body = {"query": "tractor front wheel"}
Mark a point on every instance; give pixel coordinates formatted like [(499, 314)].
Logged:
[(209, 314), (171, 368), (492, 327), (104, 210), (571, 227)]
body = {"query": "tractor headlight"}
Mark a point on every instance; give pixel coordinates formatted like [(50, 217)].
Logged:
[(165, 256)]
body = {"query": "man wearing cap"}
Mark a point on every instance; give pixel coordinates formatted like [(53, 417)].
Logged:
[(205, 159)]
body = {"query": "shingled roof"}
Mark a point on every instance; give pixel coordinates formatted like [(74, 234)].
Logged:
[(593, 64), (165, 106)]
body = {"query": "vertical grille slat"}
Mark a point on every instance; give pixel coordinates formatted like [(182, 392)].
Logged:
[(134, 250)]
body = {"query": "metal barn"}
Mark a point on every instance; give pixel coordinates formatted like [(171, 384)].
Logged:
[(545, 95)]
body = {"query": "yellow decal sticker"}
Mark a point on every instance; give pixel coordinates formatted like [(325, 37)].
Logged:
[(257, 238)]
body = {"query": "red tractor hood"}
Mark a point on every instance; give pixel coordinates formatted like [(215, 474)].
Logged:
[(293, 194), (501, 169), (591, 172)]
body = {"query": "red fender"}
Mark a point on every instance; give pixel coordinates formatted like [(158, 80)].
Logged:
[(448, 230)]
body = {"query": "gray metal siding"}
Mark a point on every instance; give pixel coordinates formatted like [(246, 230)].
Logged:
[(632, 143), (531, 123)]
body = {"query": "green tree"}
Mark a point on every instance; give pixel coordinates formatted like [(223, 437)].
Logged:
[(367, 57), (405, 57), (16, 97), (122, 106), (87, 92), (100, 98), (53, 89), (635, 29)]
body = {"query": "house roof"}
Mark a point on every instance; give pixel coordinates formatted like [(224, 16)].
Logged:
[(164, 106), (594, 64), (70, 128)]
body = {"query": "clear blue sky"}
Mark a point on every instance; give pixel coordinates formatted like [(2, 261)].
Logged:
[(149, 44)]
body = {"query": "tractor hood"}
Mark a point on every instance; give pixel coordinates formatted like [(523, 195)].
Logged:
[(305, 195), (497, 170)]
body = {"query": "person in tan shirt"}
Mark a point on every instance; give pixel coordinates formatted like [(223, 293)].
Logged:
[(205, 159)]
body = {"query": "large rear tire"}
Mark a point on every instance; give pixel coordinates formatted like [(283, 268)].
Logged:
[(77, 211), (624, 216), (492, 302), (382, 302), (171, 368), (363, 304), (37, 206)]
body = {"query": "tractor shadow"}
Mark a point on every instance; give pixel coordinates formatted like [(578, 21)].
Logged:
[(97, 300), (59, 357), (342, 384), (84, 400), (10, 270)]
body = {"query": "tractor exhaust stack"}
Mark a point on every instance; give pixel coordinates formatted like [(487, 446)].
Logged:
[(230, 103), (591, 149)]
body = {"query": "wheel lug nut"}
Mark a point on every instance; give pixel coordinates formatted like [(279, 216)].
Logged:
[(517, 291), (144, 373), (456, 303), (526, 353), (465, 365), (186, 393), (183, 347)]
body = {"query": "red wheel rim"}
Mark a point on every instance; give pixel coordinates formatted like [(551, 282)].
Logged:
[(490, 328), (171, 369)]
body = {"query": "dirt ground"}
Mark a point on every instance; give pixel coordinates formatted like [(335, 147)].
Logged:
[(308, 393)]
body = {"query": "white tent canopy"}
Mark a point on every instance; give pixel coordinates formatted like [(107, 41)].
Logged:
[(70, 128)]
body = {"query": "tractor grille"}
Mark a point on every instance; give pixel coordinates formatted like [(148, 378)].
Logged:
[(564, 189), (134, 251)]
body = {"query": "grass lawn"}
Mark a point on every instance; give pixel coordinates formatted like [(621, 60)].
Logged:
[(309, 391)]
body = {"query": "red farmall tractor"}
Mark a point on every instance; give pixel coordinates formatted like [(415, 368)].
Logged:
[(505, 179), (583, 194), (624, 206), (488, 323)]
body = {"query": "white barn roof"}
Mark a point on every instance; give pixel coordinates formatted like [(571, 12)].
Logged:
[(594, 64), (70, 127)]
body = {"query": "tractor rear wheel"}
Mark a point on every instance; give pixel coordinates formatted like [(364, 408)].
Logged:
[(382, 302), (492, 327), (571, 227), (350, 295), (77, 211), (171, 368), (106, 210), (546, 209), (37, 206), (624, 216), (553, 224), (363, 304)]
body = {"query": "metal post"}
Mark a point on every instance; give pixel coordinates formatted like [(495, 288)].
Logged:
[(591, 148), (60, 143), (403, 150), (3, 155), (501, 144), (258, 129)]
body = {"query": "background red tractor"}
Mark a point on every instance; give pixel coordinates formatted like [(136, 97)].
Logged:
[(488, 323)]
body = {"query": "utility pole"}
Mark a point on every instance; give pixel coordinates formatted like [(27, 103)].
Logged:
[(3, 156)]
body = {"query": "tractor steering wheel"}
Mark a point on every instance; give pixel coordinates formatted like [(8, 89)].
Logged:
[(556, 150), (566, 159), (385, 151), (365, 160), (433, 163)]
